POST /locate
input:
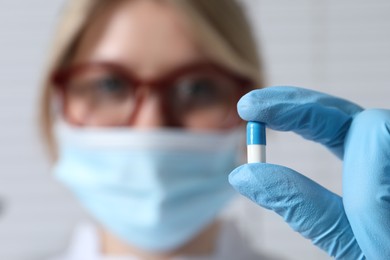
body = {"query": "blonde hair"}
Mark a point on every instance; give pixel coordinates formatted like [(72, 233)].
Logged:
[(220, 26)]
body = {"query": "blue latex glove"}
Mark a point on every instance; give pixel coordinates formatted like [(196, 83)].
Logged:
[(356, 226)]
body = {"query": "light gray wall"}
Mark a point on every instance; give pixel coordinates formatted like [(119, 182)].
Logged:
[(38, 213), (340, 47)]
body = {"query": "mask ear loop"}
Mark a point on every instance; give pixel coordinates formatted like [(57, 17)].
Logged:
[(2, 206), (57, 103), (58, 97)]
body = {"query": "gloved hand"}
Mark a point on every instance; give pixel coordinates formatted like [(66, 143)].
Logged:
[(356, 226)]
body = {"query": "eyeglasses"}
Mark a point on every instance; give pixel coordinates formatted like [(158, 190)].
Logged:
[(107, 94)]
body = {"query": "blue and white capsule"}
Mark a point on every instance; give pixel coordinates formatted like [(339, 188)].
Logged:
[(256, 142)]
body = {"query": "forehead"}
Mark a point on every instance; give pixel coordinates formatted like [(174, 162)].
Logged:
[(149, 36)]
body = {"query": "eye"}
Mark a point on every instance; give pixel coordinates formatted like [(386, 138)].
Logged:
[(110, 85), (199, 92), (100, 89), (201, 100), (109, 88)]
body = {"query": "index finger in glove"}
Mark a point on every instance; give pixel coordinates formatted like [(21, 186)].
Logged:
[(313, 115)]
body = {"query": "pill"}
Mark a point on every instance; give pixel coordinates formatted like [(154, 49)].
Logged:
[(256, 142)]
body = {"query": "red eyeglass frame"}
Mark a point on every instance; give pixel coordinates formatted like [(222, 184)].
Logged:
[(61, 77)]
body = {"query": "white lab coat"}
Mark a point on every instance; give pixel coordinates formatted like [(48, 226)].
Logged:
[(85, 245)]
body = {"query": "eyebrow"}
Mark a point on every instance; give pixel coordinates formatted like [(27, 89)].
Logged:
[(61, 75)]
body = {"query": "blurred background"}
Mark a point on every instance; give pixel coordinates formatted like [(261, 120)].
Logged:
[(338, 47)]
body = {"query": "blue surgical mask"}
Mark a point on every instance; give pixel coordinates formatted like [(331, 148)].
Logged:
[(154, 189)]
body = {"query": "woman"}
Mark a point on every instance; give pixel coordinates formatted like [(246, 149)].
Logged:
[(139, 113)]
